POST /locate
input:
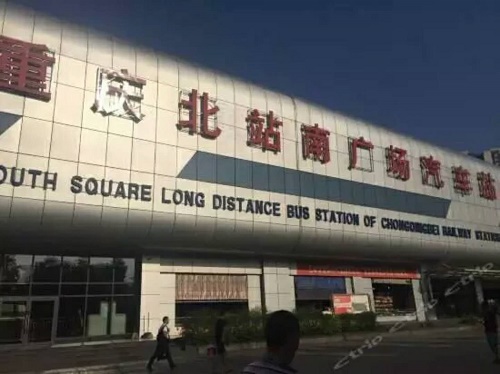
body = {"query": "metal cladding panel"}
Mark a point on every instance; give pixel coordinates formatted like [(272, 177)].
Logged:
[(137, 149)]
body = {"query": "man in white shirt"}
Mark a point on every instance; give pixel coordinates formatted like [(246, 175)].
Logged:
[(282, 333)]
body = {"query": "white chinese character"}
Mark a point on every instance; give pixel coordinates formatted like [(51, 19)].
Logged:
[(119, 94)]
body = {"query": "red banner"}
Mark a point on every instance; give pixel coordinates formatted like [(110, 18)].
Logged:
[(344, 271)]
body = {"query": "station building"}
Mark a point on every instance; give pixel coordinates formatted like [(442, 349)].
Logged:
[(134, 185)]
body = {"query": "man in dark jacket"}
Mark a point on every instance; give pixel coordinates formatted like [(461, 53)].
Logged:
[(220, 344), (162, 349)]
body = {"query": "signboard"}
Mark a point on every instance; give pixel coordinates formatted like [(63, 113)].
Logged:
[(347, 303), (345, 271), (342, 304)]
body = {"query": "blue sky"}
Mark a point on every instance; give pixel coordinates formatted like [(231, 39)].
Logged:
[(428, 68)]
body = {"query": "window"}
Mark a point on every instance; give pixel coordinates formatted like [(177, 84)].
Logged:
[(47, 269)]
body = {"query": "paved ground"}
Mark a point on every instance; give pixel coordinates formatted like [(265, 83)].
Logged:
[(458, 352)]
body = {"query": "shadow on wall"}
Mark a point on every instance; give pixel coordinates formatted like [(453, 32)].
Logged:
[(7, 120)]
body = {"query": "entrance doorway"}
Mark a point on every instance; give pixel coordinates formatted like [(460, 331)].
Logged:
[(27, 320)]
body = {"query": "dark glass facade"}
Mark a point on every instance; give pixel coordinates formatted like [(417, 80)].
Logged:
[(67, 298)]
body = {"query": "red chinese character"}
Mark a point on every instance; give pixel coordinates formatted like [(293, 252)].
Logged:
[(431, 168), (25, 67), (268, 138), (461, 180), (205, 113), (487, 188), (316, 143), (191, 124), (397, 164), (360, 143)]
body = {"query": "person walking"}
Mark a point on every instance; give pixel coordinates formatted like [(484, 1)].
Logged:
[(282, 332), (490, 324), (162, 349), (220, 345)]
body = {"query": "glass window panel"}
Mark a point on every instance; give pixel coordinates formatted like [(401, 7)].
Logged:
[(123, 289), (306, 185), (370, 196), (16, 268), (124, 315), (100, 289), (14, 289), (260, 177), (358, 196), (101, 269), (292, 182), (75, 269), (46, 269), (71, 317), (320, 187), (333, 189), (346, 192), (97, 316), (73, 289), (40, 289), (225, 170), (276, 179), (124, 270), (243, 174)]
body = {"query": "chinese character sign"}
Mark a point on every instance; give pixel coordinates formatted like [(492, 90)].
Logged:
[(431, 169), (487, 188), (188, 114), (119, 94), (316, 143), (263, 130), (25, 68), (397, 164), (356, 148), (461, 180)]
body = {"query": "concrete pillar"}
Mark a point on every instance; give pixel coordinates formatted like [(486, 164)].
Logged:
[(348, 285), (478, 285), (150, 312), (364, 286), (254, 292), (419, 301), (278, 287), (427, 295)]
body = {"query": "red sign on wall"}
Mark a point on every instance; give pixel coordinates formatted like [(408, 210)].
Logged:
[(355, 147), (25, 68), (461, 180), (316, 143), (346, 271), (431, 172), (208, 110), (397, 165), (487, 188), (263, 130)]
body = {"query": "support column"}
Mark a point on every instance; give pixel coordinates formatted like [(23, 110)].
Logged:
[(427, 295), (478, 285), (254, 293), (419, 301), (150, 313), (364, 286), (348, 285), (279, 289)]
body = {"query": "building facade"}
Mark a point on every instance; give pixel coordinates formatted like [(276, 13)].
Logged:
[(134, 185), (492, 156)]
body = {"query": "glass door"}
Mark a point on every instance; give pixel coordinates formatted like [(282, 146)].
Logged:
[(27, 320), (41, 321), (13, 321)]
